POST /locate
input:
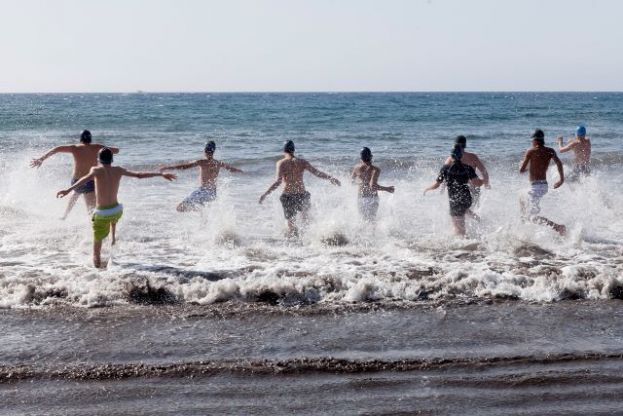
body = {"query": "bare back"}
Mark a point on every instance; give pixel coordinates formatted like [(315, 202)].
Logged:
[(582, 151), (291, 171), (85, 157), (210, 169), (364, 173), (539, 158), (107, 179)]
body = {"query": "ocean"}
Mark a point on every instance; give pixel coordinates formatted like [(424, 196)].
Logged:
[(216, 311)]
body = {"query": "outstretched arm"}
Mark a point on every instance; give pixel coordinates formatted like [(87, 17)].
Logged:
[(321, 174), (230, 168), (89, 176), (144, 175), (434, 186), (561, 172), (374, 182), (525, 162), (569, 146), (275, 184), (58, 149), (483, 170), (180, 166)]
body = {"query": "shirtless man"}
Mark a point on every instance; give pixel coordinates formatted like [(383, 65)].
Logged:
[(581, 146), (209, 169), (458, 176), (109, 210), (471, 159), (294, 199), (85, 157), (367, 176), (538, 158)]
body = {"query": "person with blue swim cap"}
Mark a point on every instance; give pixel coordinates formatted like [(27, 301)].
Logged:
[(581, 147)]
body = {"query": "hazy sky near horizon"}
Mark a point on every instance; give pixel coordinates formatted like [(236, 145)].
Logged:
[(310, 45)]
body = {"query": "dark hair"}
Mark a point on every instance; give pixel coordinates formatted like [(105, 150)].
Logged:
[(105, 156), (462, 140), (457, 152), (366, 154), (538, 134), (210, 147), (85, 137), (288, 147)]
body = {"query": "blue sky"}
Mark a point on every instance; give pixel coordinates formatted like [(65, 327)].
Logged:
[(312, 45)]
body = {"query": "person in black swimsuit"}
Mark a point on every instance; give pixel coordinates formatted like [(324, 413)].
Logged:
[(457, 176)]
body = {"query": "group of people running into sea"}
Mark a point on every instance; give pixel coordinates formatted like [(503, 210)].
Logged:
[(98, 181)]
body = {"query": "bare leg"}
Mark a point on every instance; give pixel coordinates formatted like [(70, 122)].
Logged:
[(293, 230), (97, 252), (472, 215), (185, 207), (459, 225), (559, 228), (89, 199), (113, 229), (70, 204)]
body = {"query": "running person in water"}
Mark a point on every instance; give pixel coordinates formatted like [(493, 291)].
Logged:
[(472, 160), (581, 146), (457, 176), (85, 157), (209, 169), (367, 176), (294, 199), (109, 210), (536, 161)]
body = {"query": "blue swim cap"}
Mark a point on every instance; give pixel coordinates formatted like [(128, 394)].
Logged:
[(580, 131)]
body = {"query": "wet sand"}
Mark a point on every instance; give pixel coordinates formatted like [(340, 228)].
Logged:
[(486, 357)]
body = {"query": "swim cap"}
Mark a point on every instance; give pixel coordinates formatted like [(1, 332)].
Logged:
[(538, 134), (105, 156), (288, 147), (580, 131), (85, 136), (366, 154), (210, 147), (457, 152), (462, 140)]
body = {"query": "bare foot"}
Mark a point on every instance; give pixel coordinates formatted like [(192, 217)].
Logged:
[(561, 229)]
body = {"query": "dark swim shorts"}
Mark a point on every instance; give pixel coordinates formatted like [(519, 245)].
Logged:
[(87, 188), (294, 203)]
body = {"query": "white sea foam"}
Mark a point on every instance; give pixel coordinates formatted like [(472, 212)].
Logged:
[(235, 250)]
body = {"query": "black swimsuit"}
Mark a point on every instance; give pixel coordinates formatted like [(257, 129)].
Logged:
[(457, 177)]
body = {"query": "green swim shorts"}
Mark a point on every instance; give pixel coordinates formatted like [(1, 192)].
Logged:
[(103, 218)]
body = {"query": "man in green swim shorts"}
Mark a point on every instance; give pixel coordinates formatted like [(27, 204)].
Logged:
[(108, 210)]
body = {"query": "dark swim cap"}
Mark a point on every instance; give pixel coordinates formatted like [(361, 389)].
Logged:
[(288, 147), (539, 136), (210, 147), (457, 152), (462, 140), (105, 156), (85, 136), (366, 154)]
